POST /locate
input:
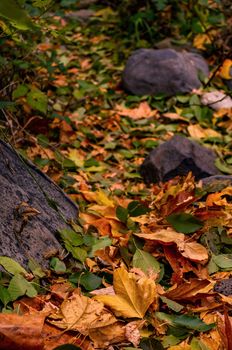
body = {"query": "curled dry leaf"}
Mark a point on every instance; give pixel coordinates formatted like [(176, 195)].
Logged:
[(80, 313), (191, 250), (194, 289), (133, 296)]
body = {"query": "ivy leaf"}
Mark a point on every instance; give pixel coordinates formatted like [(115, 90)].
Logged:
[(185, 223)]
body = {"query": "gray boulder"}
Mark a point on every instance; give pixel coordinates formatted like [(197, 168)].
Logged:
[(178, 156), (33, 208), (150, 72)]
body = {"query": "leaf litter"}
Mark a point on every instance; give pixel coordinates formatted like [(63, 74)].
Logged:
[(143, 263)]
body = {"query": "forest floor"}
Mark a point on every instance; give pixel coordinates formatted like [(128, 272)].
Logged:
[(134, 278)]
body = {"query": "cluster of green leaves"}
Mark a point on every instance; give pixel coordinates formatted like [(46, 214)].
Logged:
[(186, 18), (13, 282)]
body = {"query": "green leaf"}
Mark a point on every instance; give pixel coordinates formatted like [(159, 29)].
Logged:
[(173, 305), (57, 265), (185, 321), (196, 344), (100, 243), (135, 208), (11, 266), (41, 3), (37, 100), (70, 236), (122, 214), (10, 10), (86, 279), (36, 268), (224, 261), (170, 340), (78, 253), (222, 166), (19, 286), (145, 261), (185, 223), (20, 91), (4, 296), (151, 344)]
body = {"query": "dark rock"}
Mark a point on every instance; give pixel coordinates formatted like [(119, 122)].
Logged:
[(178, 156), (25, 189), (167, 71), (224, 287), (217, 182)]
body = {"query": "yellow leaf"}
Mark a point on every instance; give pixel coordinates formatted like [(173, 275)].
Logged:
[(197, 132), (133, 296), (225, 71), (200, 40), (76, 157), (80, 313), (103, 199)]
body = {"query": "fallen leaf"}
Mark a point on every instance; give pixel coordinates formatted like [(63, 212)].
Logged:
[(197, 132), (191, 290), (193, 251), (133, 296), (81, 314), (143, 111), (105, 336), (164, 236)]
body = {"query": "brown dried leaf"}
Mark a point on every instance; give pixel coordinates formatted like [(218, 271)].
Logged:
[(81, 314), (143, 111), (190, 290), (193, 251)]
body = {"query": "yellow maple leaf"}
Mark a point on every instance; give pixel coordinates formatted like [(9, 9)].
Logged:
[(133, 296)]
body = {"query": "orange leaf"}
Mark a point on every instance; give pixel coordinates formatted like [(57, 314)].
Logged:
[(143, 111)]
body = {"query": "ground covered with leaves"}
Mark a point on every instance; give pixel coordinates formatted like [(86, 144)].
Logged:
[(146, 265)]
